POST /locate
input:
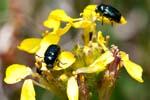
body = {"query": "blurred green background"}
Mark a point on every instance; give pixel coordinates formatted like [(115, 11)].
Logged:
[(20, 19)]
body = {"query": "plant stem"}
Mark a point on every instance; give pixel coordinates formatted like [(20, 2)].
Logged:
[(108, 82), (83, 90)]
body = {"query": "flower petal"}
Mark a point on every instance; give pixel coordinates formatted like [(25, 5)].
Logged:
[(66, 59), (62, 31), (123, 20), (98, 65), (16, 72), (50, 39), (30, 45), (46, 42), (52, 23), (89, 12), (72, 89), (90, 8), (60, 15), (28, 92), (101, 41), (134, 70), (107, 58), (82, 24)]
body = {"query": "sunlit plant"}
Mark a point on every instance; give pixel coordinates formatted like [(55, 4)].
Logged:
[(91, 66)]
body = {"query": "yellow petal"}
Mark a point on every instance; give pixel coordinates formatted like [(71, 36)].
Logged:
[(60, 15), (28, 92), (46, 42), (50, 39), (98, 65), (62, 31), (52, 23), (134, 70), (16, 72), (123, 20), (107, 58), (66, 59), (91, 7), (101, 41), (82, 24), (89, 12), (72, 89), (30, 45)]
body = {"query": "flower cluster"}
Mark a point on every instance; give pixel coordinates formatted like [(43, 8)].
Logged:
[(70, 69)]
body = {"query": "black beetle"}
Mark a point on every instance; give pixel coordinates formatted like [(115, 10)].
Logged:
[(109, 12), (51, 55)]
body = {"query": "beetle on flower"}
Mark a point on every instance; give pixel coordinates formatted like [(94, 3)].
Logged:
[(68, 73)]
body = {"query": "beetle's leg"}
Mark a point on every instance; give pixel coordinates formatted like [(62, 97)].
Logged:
[(111, 21), (63, 63)]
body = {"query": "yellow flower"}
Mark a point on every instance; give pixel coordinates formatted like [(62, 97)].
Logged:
[(93, 57), (134, 70), (88, 24)]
